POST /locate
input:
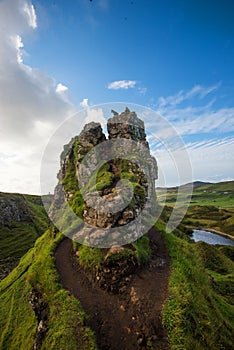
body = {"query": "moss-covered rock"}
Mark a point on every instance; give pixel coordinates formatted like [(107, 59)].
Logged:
[(129, 180)]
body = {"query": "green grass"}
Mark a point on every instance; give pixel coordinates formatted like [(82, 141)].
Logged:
[(218, 187), (101, 179), (198, 313), (115, 258), (142, 250), (71, 186), (211, 217), (90, 257), (66, 320), (218, 195), (211, 206), (16, 237)]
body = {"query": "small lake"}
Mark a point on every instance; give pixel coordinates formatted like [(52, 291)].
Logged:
[(210, 237)]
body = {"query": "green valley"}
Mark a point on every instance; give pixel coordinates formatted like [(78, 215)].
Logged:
[(211, 205)]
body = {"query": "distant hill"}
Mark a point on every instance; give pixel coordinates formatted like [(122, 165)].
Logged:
[(219, 186), (211, 204), (195, 184)]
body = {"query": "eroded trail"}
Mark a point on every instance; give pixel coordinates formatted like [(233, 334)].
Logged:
[(129, 320)]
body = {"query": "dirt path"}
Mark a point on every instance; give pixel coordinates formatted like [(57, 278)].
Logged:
[(127, 321)]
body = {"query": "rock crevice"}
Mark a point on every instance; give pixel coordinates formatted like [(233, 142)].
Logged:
[(40, 309)]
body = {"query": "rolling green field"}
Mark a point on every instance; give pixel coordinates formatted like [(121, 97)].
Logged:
[(211, 205)]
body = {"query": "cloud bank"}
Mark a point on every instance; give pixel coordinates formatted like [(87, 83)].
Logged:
[(31, 102)]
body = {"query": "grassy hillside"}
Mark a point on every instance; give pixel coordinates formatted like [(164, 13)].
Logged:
[(23, 220), (64, 318), (211, 206), (199, 313), (17, 236)]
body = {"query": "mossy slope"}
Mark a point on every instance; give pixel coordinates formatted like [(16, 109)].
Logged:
[(199, 312), (66, 321), (16, 237)]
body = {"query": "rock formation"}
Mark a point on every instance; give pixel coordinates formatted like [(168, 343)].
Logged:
[(13, 208), (103, 191)]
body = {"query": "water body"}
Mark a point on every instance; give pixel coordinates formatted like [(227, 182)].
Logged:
[(211, 238)]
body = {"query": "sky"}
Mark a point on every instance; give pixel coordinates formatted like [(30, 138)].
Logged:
[(58, 57)]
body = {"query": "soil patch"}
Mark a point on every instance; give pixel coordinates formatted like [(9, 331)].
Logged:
[(127, 321)]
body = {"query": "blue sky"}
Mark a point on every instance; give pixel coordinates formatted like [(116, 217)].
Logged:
[(176, 57), (164, 46)]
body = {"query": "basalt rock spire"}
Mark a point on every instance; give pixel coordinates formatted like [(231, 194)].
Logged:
[(125, 156)]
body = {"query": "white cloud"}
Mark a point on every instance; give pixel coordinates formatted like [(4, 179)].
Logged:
[(32, 104), (211, 160), (219, 121), (61, 88), (181, 96), (196, 118), (142, 90), (30, 11), (95, 115), (122, 84), (17, 41), (84, 103)]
